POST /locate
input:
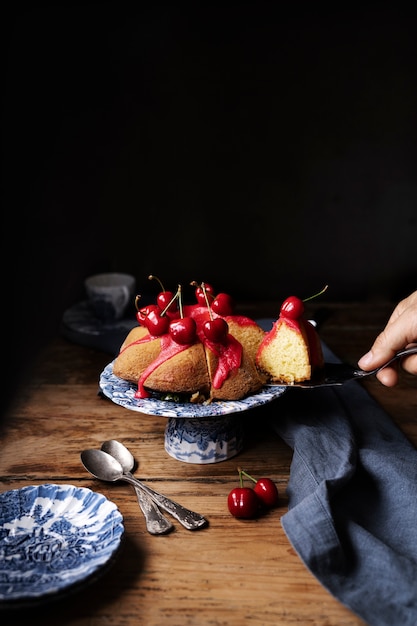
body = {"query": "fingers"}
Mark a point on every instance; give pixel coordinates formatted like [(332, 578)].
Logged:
[(410, 364), (400, 332), (388, 342), (388, 376)]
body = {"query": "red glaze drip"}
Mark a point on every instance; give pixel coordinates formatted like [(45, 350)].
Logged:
[(143, 339), (293, 324), (229, 357), (229, 354), (169, 348), (314, 346)]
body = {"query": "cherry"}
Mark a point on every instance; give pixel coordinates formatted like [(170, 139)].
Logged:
[(184, 329), (293, 307), (142, 313), (265, 489), (216, 329), (223, 304), (156, 322), (202, 292), (153, 318), (165, 299), (243, 501)]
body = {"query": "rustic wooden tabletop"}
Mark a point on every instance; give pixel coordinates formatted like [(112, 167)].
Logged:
[(233, 571)]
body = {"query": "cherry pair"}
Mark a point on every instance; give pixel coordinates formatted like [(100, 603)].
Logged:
[(247, 502), (222, 304)]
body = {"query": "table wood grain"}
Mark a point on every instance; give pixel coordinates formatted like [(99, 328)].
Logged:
[(232, 572)]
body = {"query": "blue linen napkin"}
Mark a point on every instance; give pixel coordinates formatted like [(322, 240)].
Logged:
[(352, 491)]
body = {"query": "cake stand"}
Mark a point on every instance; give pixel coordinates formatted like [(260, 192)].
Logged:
[(194, 433)]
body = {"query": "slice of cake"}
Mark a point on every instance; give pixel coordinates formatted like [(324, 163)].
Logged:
[(291, 351)]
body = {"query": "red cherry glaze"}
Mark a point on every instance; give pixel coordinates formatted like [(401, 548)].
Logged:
[(223, 304), (292, 308), (229, 355), (169, 348), (314, 345)]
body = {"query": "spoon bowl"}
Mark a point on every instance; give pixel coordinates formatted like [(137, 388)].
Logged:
[(119, 452), (156, 522), (102, 465)]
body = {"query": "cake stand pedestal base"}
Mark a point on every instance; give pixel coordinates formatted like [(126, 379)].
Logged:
[(204, 440)]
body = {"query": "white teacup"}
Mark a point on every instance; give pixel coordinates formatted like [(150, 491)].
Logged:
[(109, 294)]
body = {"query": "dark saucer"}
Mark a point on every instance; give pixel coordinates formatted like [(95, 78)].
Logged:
[(80, 325)]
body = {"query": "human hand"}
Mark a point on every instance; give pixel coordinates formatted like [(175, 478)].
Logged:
[(400, 332)]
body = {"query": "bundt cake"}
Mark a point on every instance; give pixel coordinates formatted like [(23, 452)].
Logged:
[(203, 352), (202, 369)]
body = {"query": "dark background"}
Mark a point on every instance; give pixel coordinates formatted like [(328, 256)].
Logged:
[(267, 149)]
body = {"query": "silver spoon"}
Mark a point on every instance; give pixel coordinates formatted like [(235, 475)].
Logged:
[(156, 522), (105, 467), (341, 373)]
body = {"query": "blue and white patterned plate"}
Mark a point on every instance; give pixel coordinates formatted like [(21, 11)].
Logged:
[(52, 537), (123, 393)]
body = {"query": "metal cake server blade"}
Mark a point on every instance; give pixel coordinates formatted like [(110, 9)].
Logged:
[(340, 373)]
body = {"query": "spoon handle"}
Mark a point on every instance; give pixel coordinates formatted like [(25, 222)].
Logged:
[(189, 519), (156, 522)]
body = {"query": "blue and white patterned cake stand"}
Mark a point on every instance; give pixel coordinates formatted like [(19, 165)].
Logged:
[(195, 433), (204, 440)]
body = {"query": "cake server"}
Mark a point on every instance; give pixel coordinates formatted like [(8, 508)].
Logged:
[(341, 373)]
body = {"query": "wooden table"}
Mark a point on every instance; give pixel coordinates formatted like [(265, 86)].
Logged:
[(232, 572)]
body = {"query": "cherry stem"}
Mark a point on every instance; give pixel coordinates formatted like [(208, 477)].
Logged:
[(152, 277), (203, 287), (247, 475), (174, 297), (179, 295), (240, 476), (316, 294), (137, 301)]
